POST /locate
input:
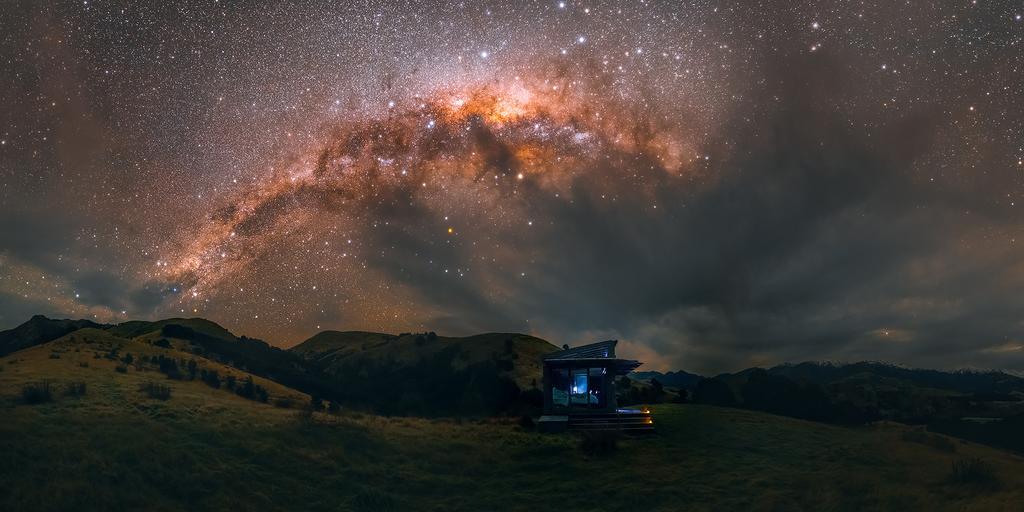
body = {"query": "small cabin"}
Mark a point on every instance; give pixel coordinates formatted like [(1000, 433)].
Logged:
[(579, 390)]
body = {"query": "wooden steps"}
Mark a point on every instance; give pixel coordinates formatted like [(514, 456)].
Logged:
[(623, 421)]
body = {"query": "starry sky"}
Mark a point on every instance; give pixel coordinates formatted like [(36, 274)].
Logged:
[(716, 184)]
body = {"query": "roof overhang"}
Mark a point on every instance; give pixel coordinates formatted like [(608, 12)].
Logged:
[(616, 366)]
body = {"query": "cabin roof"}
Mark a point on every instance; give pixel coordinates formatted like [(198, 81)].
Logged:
[(600, 354), (601, 349)]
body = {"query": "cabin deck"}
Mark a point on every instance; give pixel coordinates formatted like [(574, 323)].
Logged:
[(624, 420), (631, 421)]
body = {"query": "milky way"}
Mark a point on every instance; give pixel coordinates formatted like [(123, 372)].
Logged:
[(718, 185)]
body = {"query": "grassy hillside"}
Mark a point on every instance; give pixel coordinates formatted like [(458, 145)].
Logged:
[(408, 374), (339, 350), (426, 374), (114, 448)]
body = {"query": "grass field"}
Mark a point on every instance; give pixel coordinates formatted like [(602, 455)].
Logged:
[(207, 449)]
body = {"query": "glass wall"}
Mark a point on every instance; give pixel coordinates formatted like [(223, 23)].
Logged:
[(578, 387), (560, 387)]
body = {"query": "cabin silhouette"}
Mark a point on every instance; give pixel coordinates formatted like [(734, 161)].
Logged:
[(579, 391)]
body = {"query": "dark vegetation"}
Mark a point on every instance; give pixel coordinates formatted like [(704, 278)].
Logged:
[(37, 392), (156, 391), (431, 387), (1006, 433), (865, 392), (189, 369), (974, 472)]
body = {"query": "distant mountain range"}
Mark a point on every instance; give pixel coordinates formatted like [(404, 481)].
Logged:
[(678, 379)]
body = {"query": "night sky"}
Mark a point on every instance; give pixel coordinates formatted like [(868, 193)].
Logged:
[(717, 184)]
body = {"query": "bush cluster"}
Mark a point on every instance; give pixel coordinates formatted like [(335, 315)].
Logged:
[(37, 392), (156, 390)]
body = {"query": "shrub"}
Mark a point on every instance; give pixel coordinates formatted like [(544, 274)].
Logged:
[(156, 391), (599, 442), (169, 367), (54, 355), (973, 472), (83, 364), (127, 359), (284, 403), (162, 342), (334, 407), (211, 378), (192, 369), (247, 389), (714, 391), (37, 392), (74, 389), (121, 368), (230, 382)]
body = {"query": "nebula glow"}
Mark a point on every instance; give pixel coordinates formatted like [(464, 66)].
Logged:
[(716, 185)]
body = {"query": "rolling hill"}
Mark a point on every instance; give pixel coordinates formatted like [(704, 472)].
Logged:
[(420, 373), (409, 374), (142, 416), (113, 447), (36, 330)]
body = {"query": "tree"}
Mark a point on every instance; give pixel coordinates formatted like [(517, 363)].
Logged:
[(211, 378), (248, 389), (192, 368), (714, 392), (657, 390)]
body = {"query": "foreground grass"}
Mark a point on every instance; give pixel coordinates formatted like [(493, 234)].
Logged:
[(203, 449)]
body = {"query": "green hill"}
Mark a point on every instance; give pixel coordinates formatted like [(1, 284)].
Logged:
[(115, 448), (409, 374), (139, 423), (36, 330), (426, 374)]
